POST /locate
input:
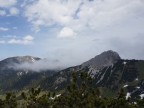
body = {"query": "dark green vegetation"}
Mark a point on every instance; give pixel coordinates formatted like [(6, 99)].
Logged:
[(79, 94), (10, 80)]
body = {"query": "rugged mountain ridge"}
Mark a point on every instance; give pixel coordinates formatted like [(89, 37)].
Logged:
[(111, 74), (108, 71)]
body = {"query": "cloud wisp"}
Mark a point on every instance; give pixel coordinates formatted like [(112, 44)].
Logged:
[(38, 66), (8, 8), (4, 29), (24, 41), (7, 4)]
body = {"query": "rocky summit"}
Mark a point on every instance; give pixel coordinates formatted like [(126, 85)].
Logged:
[(106, 58)]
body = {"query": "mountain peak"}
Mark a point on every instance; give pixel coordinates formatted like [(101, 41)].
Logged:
[(110, 51), (106, 58), (20, 59)]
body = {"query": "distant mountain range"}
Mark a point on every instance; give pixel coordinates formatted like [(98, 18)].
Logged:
[(109, 72), (13, 78)]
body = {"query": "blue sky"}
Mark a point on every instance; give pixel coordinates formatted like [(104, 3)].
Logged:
[(71, 31)]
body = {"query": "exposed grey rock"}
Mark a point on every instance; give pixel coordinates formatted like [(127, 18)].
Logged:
[(106, 58), (59, 80)]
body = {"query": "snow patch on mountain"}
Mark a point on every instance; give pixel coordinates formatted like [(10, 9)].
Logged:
[(124, 63), (138, 87), (33, 60), (128, 95), (102, 76), (125, 86), (142, 96), (19, 73), (136, 79)]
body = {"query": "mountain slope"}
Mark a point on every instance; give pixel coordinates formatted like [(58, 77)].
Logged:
[(14, 79), (109, 72), (93, 66)]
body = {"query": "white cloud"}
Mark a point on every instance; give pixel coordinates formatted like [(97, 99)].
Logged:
[(43, 64), (7, 3), (15, 40), (99, 25), (14, 11), (82, 15), (4, 29), (66, 33), (28, 38), (25, 40), (2, 12), (49, 12)]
